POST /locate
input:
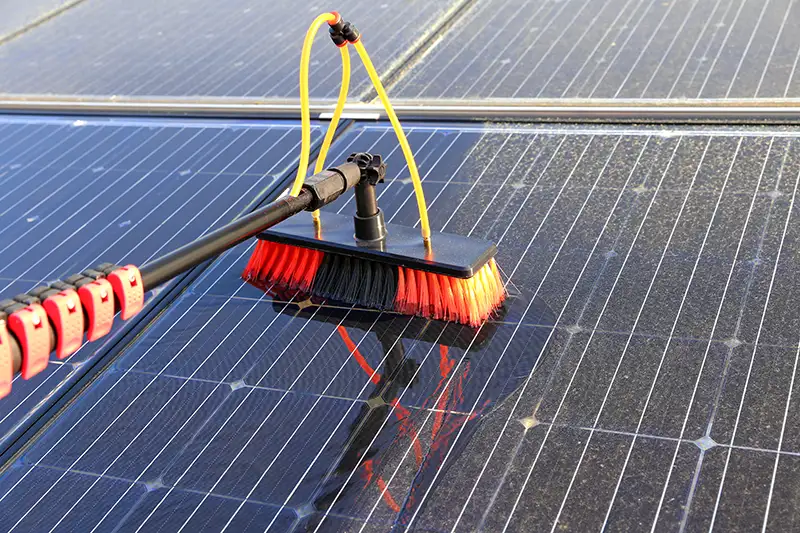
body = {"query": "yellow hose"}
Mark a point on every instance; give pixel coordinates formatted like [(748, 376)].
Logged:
[(401, 137), (305, 112), (337, 114)]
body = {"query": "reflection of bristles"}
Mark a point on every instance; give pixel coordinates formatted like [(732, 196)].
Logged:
[(365, 283)]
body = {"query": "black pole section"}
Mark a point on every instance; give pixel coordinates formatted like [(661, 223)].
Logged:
[(168, 266), (318, 191)]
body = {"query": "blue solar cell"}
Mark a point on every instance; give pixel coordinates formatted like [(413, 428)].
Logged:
[(612, 49), (20, 14), (190, 50), (80, 192), (646, 344), (64, 513)]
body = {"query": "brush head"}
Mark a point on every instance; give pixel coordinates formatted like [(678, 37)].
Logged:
[(456, 279)]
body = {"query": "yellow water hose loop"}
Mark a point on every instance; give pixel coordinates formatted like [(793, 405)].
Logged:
[(305, 113), (401, 137), (337, 114)]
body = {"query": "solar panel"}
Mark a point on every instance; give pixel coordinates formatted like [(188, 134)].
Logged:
[(198, 47), (640, 376), (614, 49), (19, 14), (78, 193)]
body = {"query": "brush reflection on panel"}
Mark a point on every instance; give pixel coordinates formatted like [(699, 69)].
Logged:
[(386, 425)]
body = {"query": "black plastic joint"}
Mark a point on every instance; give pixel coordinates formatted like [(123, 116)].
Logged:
[(78, 280), (43, 292), (95, 274), (328, 185), (368, 220), (38, 291), (351, 33), (62, 286), (10, 306), (105, 268), (372, 167), (27, 299), (338, 38)]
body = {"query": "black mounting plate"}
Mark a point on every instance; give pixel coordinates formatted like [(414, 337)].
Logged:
[(450, 255)]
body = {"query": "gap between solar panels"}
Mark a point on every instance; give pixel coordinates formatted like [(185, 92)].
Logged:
[(439, 276)]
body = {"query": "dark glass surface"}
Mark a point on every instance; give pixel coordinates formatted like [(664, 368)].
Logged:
[(79, 193), (202, 48), (614, 49), (18, 14), (640, 376)]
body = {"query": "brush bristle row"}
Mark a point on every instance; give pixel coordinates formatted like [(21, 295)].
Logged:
[(468, 301), (289, 266), (365, 283), (356, 281)]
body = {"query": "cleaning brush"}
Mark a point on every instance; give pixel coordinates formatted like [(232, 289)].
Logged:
[(366, 263), (440, 276)]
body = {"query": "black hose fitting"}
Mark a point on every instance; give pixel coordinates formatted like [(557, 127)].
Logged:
[(329, 184), (370, 226), (343, 32), (336, 31), (351, 33)]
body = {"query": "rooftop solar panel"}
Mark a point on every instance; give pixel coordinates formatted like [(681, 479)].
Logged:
[(198, 47), (640, 376), (79, 193), (21, 14), (614, 49)]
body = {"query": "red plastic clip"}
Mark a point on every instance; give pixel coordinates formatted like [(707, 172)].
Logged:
[(6, 361), (127, 283), (97, 298), (30, 327), (66, 313)]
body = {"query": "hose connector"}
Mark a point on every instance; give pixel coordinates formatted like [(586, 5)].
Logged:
[(343, 32), (370, 226), (328, 185), (336, 30)]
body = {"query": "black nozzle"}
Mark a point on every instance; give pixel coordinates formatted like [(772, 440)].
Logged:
[(370, 226)]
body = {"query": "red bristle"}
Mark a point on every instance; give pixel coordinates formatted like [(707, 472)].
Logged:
[(424, 307), (458, 295), (271, 256), (500, 288), (450, 310), (299, 270), (400, 302), (279, 267), (253, 265), (307, 278), (473, 303), (412, 299), (436, 296), (482, 289), (290, 268)]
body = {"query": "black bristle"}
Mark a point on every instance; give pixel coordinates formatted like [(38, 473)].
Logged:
[(356, 281)]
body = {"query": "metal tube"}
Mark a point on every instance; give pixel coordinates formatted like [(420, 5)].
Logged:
[(705, 111)]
